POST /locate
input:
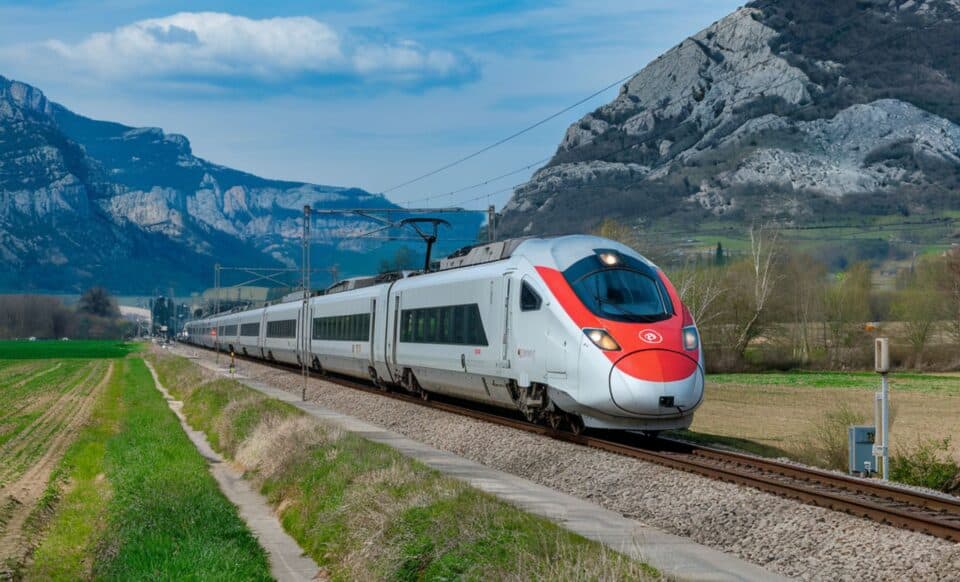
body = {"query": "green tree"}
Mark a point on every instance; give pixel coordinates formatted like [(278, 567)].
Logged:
[(98, 301)]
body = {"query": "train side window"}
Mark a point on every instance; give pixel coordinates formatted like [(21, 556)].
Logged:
[(529, 299)]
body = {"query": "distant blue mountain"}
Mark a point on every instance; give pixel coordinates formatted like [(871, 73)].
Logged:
[(87, 202)]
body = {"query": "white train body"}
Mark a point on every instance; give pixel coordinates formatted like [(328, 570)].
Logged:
[(578, 326)]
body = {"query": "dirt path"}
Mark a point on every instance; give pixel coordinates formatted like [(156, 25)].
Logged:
[(18, 498)]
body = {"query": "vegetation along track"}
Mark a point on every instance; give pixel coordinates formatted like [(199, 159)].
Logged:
[(931, 514)]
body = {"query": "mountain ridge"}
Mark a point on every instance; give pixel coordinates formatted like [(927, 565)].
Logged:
[(766, 115), (85, 201)]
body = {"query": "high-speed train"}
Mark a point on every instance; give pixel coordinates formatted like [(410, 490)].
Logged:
[(575, 331)]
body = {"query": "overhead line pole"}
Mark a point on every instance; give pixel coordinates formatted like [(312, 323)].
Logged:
[(305, 318), (491, 223), (216, 299)]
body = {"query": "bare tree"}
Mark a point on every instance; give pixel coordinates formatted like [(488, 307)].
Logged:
[(953, 292), (803, 303), (847, 306), (919, 305), (700, 289), (615, 230), (764, 248)]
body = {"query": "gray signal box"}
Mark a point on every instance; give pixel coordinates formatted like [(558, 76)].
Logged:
[(861, 439)]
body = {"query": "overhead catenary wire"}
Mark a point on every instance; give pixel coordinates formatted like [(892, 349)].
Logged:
[(542, 121)]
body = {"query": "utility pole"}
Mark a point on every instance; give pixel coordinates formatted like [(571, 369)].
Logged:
[(305, 329), (491, 223), (216, 309), (173, 323)]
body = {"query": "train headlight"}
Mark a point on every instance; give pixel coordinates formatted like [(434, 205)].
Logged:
[(609, 258), (691, 338), (602, 339)]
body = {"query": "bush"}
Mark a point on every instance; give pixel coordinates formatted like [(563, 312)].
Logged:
[(826, 445), (927, 463)]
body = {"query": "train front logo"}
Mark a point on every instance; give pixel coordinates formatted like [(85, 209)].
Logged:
[(651, 337)]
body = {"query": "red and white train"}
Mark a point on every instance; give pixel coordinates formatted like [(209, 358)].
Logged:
[(575, 330)]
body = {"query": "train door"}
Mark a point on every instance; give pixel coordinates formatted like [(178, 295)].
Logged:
[(373, 327), (303, 339), (506, 348), (529, 331), (391, 341), (261, 337)]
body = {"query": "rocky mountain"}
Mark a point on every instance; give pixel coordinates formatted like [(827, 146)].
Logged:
[(796, 111), (85, 201)]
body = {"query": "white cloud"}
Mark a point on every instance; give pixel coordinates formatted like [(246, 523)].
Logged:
[(212, 46)]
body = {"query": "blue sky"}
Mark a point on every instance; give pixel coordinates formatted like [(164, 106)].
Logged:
[(366, 94)]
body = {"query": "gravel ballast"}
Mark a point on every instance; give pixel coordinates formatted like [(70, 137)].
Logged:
[(781, 535)]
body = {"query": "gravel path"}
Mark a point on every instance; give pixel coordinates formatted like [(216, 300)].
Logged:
[(782, 535)]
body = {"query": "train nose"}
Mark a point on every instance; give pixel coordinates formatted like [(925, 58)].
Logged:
[(656, 382)]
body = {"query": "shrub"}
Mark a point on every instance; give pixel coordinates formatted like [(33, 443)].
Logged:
[(927, 463)]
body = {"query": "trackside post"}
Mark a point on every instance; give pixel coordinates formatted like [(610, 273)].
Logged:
[(882, 365)]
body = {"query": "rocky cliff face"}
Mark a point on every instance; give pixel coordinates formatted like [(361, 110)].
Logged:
[(782, 110), (85, 201)]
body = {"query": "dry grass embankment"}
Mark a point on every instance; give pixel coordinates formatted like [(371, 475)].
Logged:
[(363, 511)]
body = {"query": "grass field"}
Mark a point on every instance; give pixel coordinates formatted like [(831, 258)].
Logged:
[(782, 413), (60, 350), (97, 480)]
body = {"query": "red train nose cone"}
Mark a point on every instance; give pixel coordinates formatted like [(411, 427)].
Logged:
[(657, 365), (656, 381)]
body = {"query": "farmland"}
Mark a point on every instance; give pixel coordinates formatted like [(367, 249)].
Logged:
[(785, 413), (89, 453)]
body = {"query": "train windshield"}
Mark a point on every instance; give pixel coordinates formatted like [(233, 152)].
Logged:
[(623, 295)]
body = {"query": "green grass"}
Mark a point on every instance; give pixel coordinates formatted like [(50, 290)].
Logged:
[(905, 381), (142, 504), (55, 349), (67, 549), (363, 511)]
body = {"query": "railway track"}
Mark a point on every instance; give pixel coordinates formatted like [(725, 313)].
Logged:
[(930, 514)]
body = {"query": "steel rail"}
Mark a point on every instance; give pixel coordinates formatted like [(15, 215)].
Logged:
[(891, 505)]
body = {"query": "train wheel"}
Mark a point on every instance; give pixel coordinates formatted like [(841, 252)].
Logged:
[(576, 424), (424, 395), (555, 420)]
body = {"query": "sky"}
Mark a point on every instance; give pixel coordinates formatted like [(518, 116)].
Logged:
[(364, 94)]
